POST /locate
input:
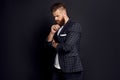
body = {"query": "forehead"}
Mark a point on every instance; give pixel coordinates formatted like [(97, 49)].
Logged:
[(57, 12)]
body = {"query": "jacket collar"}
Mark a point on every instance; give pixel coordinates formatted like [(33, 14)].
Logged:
[(66, 26)]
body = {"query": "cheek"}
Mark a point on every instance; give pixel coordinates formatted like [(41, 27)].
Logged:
[(61, 18)]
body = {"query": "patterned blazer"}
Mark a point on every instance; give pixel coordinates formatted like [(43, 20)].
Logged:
[(68, 48)]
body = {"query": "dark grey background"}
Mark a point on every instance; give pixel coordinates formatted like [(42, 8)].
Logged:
[(25, 25)]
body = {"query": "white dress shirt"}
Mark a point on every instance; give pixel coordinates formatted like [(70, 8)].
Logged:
[(56, 64)]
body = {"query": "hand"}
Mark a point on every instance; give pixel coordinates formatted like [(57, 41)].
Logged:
[(54, 28), (54, 44)]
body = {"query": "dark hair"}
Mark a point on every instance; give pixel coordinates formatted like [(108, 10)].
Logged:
[(56, 6)]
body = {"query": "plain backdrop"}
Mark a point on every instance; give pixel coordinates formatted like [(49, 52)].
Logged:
[(25, 25)]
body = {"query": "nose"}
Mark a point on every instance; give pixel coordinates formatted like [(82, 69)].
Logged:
[(56, 18)]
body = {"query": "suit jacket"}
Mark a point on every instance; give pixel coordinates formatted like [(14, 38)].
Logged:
[(68, 48)]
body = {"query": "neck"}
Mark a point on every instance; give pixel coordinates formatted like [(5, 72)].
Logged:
[(66, 19)]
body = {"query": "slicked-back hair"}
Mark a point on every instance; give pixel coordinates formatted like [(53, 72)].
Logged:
[(56, 6)]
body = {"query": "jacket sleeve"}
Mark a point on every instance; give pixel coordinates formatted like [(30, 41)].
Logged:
[(71, 39), (48, 45)]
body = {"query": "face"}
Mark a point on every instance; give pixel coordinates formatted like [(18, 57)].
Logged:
[(59, 17)]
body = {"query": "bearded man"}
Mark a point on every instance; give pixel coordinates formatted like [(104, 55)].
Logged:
[(65, 37)]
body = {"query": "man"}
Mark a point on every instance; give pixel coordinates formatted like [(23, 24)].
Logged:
[(64, 37)]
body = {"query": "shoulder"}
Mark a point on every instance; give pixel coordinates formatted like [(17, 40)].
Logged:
[(75, 26)]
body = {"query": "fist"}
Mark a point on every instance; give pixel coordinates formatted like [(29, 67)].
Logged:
[(54, 44), (54, 28)]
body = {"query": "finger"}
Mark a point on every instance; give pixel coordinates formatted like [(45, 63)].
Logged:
[(53, 41)]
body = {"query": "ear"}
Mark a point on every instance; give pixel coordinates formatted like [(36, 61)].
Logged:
[(63, 12)]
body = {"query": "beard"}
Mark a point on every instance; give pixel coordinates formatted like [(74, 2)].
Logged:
[(61, 22)]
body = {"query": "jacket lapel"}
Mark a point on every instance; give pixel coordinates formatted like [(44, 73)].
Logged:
[(64, 30), (66, 26)]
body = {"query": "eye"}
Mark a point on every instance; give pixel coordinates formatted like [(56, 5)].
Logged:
[(57, 16)]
